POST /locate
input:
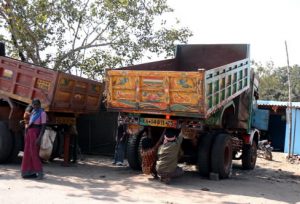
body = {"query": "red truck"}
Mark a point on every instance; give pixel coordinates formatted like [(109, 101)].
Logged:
[(63, 96)]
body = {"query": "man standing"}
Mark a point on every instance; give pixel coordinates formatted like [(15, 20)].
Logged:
[(121, 140)]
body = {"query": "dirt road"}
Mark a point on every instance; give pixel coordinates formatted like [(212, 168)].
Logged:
[(95, 180)]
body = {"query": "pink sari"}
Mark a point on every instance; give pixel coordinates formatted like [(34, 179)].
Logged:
[(31, 163)]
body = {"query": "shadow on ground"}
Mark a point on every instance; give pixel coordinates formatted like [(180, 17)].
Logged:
[(100, 180)]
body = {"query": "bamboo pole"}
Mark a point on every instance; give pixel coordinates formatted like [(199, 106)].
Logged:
[(290, 100)]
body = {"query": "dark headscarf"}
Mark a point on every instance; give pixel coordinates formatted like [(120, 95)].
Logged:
[(147, 143), (36, 102)]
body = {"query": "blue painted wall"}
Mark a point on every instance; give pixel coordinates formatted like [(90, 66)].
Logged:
[(295, 133)]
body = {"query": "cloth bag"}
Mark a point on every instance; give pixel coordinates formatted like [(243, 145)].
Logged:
[(47, 143)]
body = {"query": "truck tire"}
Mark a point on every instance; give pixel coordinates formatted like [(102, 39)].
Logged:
[(249, 156), (16, 147), (204, 154), (6, 142), (133, 151), (221, 155)]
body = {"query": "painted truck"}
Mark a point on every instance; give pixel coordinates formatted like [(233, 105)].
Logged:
[(63, 97), (207, 92)]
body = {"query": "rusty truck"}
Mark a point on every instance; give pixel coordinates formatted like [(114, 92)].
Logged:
[(63, 96), (208, 92)]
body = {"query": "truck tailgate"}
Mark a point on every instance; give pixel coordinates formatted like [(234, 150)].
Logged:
[(156, 92), (77, 94)]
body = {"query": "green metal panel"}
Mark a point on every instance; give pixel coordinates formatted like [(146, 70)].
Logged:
[(224, 83)]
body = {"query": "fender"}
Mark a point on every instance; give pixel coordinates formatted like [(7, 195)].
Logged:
[(228, 105), (254, 135), (13, 113), (231, 103)]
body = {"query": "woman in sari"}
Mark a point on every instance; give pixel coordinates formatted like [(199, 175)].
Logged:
[(31, 164)]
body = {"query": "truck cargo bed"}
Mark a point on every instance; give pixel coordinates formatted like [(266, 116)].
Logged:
[(58, 91), (201, 79), (194, 57)]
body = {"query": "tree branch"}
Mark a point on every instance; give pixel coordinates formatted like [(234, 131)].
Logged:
[(71, 52), (100, 34), (21, 55), (9, 19), (3, 14), (13, 31), (79, 23)]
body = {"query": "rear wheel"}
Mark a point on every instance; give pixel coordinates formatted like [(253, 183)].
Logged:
[(6, 142), (204, 154), (16, 147), (221, 155), (249, 155), (133, 151)]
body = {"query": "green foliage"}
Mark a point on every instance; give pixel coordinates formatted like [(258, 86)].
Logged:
[(88, 35), (273, 83)]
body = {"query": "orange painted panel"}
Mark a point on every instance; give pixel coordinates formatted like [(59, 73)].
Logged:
[(155, 91)]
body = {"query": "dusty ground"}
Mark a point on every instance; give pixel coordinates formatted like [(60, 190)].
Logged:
[(95, 180)]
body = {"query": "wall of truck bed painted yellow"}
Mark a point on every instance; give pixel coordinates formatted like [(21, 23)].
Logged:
[(163, 92), (196, 94)]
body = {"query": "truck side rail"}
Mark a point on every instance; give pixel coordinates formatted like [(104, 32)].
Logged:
[(226, 82)]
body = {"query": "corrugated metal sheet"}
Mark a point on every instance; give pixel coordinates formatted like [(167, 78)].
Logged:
[(278, 103), (295, 134)]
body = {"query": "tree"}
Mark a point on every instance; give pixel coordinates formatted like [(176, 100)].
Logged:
[(88, 35), (295, 82), (273, 82)]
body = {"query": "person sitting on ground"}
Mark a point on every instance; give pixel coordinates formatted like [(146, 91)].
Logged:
[(149, 156), (168, 155)]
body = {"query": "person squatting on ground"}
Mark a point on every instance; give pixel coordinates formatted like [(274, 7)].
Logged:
[(149, 156), (31, 166), (121, 140), (168, 155)]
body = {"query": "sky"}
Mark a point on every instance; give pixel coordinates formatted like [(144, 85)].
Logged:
[(264, 24)]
